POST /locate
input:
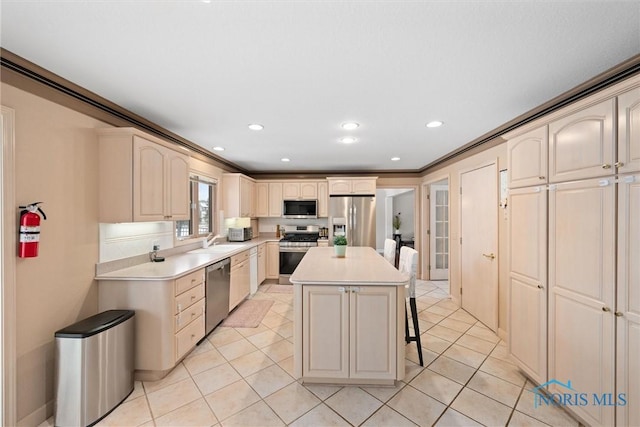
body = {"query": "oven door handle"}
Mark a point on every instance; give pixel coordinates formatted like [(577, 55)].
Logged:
[(282, 249)]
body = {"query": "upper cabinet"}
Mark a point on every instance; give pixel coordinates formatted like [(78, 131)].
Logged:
[(262, 199), (141, 178), (238, 194), (299, 190), (581, 145), (275, 199), (629, 131), (323, 199), (347, 186), (527, 158)]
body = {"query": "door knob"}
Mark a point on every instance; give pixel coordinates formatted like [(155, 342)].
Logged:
[(490, 256)]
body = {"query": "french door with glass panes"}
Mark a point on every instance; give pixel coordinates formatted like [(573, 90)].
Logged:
[(439, 236)]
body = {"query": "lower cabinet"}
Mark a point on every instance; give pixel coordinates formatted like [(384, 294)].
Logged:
[(349, 332), (169, 318), (273, 260), (239, 287), (262, 263)]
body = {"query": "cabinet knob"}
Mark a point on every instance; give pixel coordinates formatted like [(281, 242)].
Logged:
[(193, 297), (540, 287), (606, 166), (618, 314), (618, 164), (606, 309), (541, 177), (355, 289), (490, 256)]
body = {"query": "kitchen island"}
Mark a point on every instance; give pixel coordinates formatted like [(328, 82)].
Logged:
[(349, 318)]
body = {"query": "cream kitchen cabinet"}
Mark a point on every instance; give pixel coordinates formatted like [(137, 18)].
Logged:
[(528, 280), (299, 190), (627, 313), (275, 199), (527, 158), (344, 186), (262, 263), (629, 131), (262, 199), (323, 199), (169, 318), (239, 287), (582, 264), (273, 260), (342, 334), (238, 194), (141, 178), (582, 144)]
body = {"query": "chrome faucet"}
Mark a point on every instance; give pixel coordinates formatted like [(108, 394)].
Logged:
[(153, 255), (208, 242)]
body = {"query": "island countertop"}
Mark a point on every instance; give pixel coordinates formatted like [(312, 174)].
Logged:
[(361, 265)]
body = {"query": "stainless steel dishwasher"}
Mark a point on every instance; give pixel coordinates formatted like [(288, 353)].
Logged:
[(217, 293)]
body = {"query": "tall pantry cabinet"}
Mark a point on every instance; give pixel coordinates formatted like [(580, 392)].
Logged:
[(574, 245)]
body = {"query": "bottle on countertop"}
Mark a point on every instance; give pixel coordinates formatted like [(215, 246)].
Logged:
[(278, 230)]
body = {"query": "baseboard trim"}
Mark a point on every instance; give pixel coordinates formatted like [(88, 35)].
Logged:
[(502, 334), (38, 416)]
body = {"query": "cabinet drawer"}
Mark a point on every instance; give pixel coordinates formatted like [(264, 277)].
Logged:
[(189, 281), (188, 337), (261, 247), (186, 299), (237, 259), (189, 314)]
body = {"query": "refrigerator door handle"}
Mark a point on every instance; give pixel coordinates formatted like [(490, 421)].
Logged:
[(355, 215)]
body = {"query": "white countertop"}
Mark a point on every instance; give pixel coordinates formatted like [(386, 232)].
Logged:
[(179, 265), (361, 265)]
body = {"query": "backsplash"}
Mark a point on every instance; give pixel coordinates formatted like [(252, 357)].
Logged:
[(125, 240)]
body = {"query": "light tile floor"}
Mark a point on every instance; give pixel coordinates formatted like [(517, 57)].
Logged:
[(244, 377)]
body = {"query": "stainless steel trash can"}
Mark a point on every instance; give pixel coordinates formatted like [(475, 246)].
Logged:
[(94, 367)]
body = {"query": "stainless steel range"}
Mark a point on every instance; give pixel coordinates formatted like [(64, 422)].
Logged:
[(293, 246)]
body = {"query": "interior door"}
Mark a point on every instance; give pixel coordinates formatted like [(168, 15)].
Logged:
[(439, 236), (479, 243)]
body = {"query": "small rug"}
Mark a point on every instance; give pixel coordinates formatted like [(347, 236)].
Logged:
[(279, 289), (249, 314)]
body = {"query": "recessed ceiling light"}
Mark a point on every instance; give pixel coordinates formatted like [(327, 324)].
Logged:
[(218, 148), (395, 159), (256, 126), (285, 159), (350, 125), (434, 124), (348, 140)]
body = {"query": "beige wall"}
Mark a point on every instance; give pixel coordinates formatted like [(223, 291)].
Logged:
[(56, 162), (453, 171)]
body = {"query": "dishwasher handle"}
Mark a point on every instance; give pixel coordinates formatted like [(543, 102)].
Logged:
[(218, 265)]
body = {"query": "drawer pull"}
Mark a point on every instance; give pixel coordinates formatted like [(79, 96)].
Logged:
[(490, 256), (618, 314), (193, 297), (540, 287), (541, 177)]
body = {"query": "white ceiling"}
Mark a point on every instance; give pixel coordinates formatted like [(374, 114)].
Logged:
[(301, 68)]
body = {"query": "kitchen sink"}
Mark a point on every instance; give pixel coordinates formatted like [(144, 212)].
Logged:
[(217, 249)]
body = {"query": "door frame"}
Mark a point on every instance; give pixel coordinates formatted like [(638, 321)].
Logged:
[(8, 228), (496, 163), (425, 208)]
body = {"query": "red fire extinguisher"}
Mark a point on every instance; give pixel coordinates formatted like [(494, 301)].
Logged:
[(30, 230)]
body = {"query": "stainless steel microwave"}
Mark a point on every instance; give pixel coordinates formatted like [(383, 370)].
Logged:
[(240, 234), (307, 208)]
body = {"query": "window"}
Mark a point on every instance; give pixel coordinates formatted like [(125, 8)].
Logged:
[(203, 199)]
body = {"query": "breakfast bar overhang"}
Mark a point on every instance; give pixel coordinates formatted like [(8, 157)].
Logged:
[(349, 318)]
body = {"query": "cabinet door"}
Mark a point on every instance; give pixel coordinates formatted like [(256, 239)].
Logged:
[(527, 158), (629, 131), (581, 286), (363, 186), (528, 280), (339, 186), (245, 197), (325, 332), (290, 190), (273, 260), (178, 186), (372, 331), (275, 199), (323, 199), (262, 263), (262, 199), (308, 190), (148, 181), (239, 286), (581, 145), (628, 308)]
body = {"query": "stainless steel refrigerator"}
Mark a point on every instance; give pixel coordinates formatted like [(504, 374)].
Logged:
[(354, 217)]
